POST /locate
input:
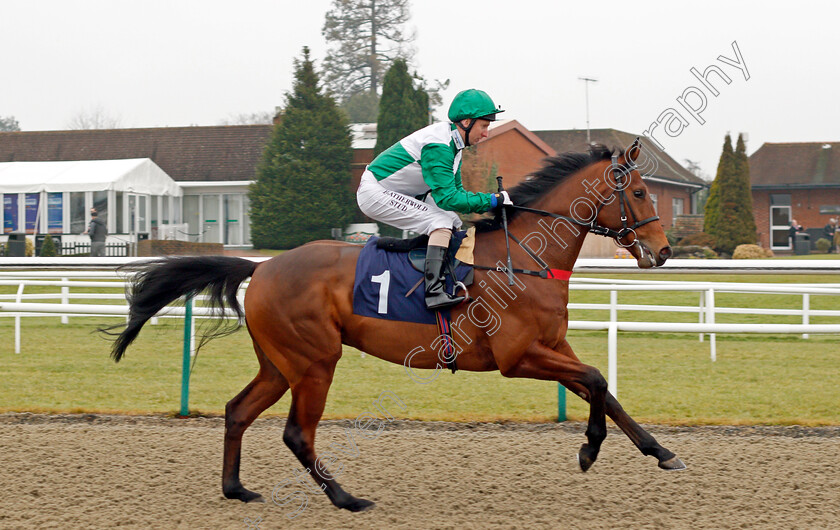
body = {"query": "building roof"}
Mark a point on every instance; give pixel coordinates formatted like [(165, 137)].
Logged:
[(667, 169), (215, 153), (207, 154), (137, 175), (502, 126), (799, 164)]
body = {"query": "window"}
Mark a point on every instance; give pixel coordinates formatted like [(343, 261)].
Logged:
[(31, 203), (120, 213), (164, 214), (780, 217), (142, 226), (211, 229), (780, 199), (55, 212), (677, 208), (10, 213), (655, 203), (77, 212), (175, 216), (155, 216), (191, 214), (246, 219), (232, 203), (100, 203)]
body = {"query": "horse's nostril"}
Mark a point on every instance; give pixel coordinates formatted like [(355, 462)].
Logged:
[(665, 253)]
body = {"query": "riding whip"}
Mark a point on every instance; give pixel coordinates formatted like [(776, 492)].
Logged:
[(507, 238)]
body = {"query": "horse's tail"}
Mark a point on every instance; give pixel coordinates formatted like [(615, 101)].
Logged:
[(160, 282)]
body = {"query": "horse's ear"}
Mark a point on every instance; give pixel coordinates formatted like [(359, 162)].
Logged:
[(633, 153)]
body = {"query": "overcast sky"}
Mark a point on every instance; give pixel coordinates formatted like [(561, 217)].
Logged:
[(156, 63)]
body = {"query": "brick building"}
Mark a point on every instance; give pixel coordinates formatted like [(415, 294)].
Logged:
[(510, 150), (672, 188), (794, 181)]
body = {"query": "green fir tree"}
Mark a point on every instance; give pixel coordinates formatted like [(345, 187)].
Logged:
[(728, 214), (737, 224), (725, 167), (302, 189), (403, 108), (48, 249)]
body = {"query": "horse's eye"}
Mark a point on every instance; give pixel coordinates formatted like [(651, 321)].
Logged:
[(639, 193)]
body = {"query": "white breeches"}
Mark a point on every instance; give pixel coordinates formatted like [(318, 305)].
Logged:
[(400, 210)]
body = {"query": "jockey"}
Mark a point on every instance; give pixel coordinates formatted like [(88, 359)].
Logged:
[(416, 184)]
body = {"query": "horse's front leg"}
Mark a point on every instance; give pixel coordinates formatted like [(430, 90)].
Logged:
[(642, 439), (562, 365)]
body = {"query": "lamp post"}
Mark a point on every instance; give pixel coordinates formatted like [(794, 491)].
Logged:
[(587, 80)]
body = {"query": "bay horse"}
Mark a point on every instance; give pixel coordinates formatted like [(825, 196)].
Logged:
[(298, 309)]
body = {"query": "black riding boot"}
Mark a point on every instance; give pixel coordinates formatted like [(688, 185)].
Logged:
[(436, 295)]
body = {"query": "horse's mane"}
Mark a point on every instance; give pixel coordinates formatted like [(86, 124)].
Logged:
[(554, 171)]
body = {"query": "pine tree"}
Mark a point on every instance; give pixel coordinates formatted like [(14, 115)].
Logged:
[(728, 214), (403, 108), (48, 249), (361, 107), (736, 212), (302, 188), (725, 167), (364, 36)]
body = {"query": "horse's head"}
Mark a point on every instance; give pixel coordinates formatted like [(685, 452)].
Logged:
[(627, 209), (599, 192)]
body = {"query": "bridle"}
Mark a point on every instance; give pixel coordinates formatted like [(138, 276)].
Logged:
[(619, 173)]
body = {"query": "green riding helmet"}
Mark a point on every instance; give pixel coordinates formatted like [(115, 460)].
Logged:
[(473, 104)]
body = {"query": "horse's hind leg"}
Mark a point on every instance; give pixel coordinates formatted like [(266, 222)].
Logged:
[(309, 396), (642, 439), (267, 387), (541, 362)]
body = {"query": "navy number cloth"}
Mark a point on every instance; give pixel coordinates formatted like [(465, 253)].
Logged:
[(383, 278)]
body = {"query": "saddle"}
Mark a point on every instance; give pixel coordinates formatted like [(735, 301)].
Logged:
[(416, 249)]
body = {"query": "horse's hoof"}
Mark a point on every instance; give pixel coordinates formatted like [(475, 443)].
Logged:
[(244, 495), (585, 459), (672, 464), (359, 505)]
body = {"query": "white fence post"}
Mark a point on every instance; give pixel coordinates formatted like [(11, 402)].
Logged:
[(806, 311), (710, 319), (613, 307), (65, 298), (612, 359), (17, 318), (192, 331), (702, 311)]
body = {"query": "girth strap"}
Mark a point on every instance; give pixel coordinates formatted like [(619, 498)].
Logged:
[(444, 331)]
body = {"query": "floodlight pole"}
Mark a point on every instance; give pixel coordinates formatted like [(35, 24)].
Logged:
[(587, 80)]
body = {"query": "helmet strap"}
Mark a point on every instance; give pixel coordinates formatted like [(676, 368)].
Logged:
[(467, 130)]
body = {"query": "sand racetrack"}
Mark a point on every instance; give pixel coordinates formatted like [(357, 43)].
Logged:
[(86, 471)]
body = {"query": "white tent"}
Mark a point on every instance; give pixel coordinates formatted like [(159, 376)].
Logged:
[(133, 175)]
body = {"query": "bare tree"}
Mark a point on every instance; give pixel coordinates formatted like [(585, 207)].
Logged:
[(94, 118), (364, 38), (695, 169), (252, 118), (9, 124)]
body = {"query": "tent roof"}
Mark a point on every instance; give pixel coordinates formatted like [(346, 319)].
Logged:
[(135, 175)]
